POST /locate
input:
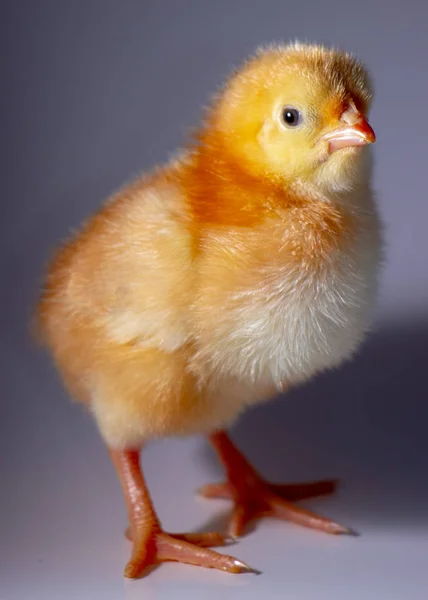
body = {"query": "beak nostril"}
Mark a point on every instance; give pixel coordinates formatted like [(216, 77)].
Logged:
[(350, 115)]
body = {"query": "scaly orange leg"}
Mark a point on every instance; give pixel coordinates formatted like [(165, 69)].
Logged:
[(254, 497), (151, 544)]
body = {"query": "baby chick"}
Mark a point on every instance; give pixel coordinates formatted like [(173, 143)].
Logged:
[(245, 266)]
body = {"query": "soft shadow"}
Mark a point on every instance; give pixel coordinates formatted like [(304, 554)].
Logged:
[(365, 423)]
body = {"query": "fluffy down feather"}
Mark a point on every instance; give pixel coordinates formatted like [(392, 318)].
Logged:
[(245, 266)]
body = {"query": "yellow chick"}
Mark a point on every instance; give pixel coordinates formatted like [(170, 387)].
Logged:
[(243, 267)]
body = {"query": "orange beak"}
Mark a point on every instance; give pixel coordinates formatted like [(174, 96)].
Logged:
[(356, 132)]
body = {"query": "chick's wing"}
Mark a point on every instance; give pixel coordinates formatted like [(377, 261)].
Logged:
[(129, 271)]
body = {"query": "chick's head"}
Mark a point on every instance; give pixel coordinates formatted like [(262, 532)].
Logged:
[(297, 112)]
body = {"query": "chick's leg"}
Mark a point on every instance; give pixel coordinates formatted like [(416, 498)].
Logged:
[(151, 544), (254, 497)]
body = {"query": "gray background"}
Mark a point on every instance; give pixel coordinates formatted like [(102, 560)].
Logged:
[(93, 91)]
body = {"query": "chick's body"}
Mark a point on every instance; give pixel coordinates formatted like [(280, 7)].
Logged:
[(244, 266), (168, 330)]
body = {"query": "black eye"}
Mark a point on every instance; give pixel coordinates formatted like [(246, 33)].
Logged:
[(291, 117)]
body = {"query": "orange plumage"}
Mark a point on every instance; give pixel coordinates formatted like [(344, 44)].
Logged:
[(244, 266)]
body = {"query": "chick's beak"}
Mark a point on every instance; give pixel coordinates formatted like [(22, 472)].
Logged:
[(356, 132)]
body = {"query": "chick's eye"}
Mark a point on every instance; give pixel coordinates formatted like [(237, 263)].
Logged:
[(291, 117)]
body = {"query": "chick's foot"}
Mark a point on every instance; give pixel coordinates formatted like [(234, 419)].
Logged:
[(152, 546), (254, 497)]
